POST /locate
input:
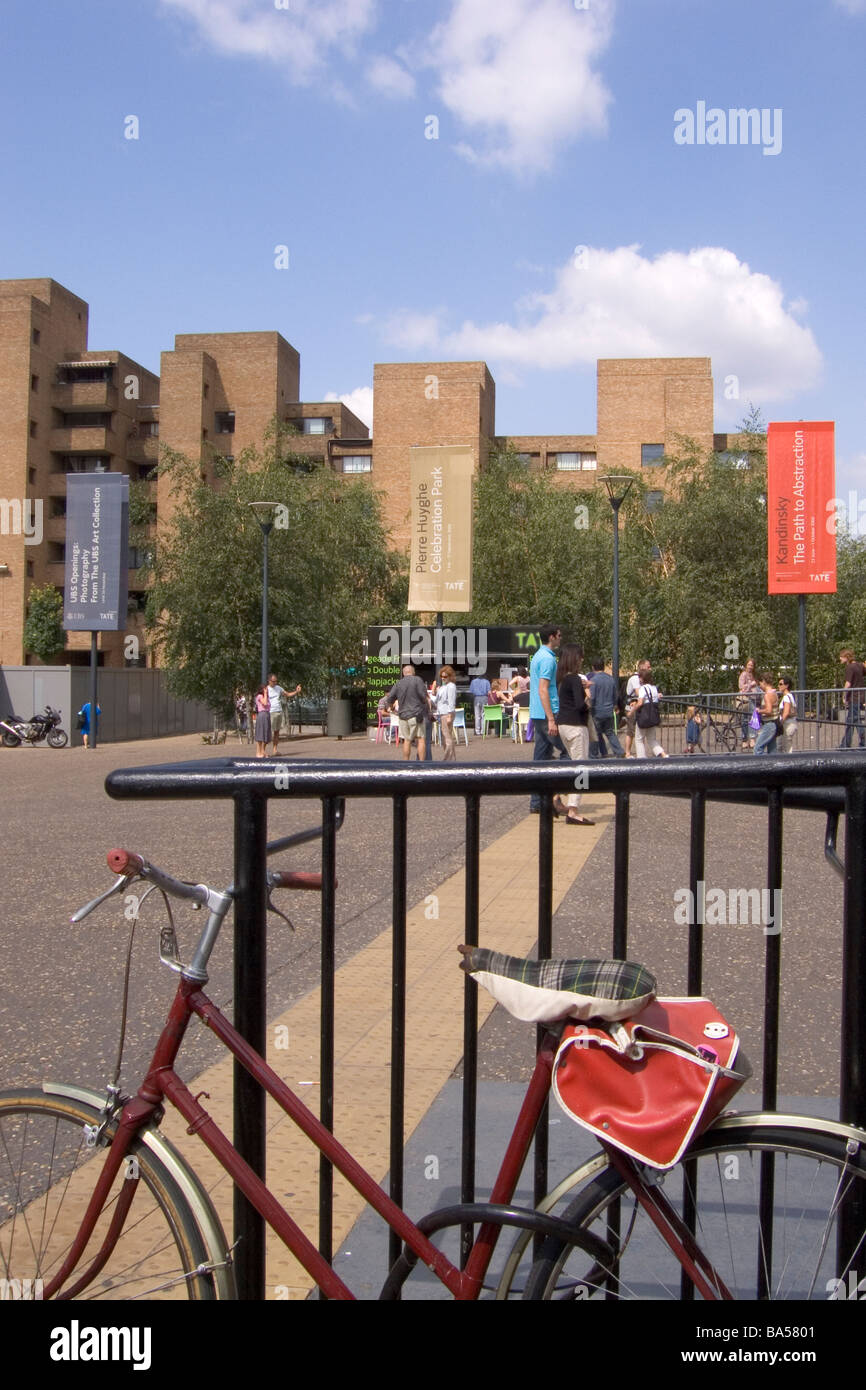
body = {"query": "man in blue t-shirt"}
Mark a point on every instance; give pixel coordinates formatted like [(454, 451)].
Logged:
[(544, 701)]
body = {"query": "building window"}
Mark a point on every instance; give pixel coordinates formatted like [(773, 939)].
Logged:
[(32, 429), (148, 429), (138, 557), (317, 425), (74, 376), (87, 420), (525, 459), (206, 388), (651, 455), (730, 458), (56, 552), (653, 500), (36, 337), (58, 506), (225, 421), (357, 463), (204, 434), (575, 462), (31, 476), (86, 463), (29, 569), (34, 383)]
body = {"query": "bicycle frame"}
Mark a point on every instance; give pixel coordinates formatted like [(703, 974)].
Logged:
[(163, 1083)]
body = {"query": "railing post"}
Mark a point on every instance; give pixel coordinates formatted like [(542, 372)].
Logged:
[(250, 988)]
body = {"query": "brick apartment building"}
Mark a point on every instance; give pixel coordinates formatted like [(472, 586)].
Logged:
[(71, 409)]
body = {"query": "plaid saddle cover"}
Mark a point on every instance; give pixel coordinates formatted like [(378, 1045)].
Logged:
[(541, 991)]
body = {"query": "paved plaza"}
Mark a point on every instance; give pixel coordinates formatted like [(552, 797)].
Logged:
[(59, 990)]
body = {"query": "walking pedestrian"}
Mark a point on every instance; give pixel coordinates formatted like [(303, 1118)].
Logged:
[(84, 725), (544, 705), (603, 695), (573, 722), (787, 714), (479, 689), (278, 697), (410, 693), (446, 708), (769, 731), (632, 690), (262, 705), (747, 701), (855, 681), (647, 716)]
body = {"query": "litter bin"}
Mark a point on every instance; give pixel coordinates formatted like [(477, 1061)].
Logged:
[(339, 718)]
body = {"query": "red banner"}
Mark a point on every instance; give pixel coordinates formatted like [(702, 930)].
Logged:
[(801, 549)]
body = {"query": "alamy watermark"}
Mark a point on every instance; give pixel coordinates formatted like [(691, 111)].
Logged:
[(22, 517), (736, 126), (450, 646), (736, 907)]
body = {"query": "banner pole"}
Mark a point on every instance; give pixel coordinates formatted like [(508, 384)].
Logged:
[(94, 705), (801, 655)]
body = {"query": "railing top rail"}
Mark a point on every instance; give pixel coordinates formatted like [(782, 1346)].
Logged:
[(231, 777)]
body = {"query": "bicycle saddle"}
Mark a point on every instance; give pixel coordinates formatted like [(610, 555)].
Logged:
[(542, 991)]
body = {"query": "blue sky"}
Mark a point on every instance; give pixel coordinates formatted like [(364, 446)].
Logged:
[(494, 179)]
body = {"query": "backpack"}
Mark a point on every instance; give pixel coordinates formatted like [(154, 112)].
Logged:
[(648, 716)]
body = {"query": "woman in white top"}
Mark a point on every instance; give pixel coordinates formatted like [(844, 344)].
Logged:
[(787, 713), (647, 738), (446, 708)]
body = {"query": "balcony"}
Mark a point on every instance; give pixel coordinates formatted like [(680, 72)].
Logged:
[(90, 440), (84, 395), (143, 451)]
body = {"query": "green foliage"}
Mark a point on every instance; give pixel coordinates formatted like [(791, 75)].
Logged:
[(43, 630), (330, 575)]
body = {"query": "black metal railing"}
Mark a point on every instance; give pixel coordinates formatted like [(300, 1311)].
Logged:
[(834, 784)]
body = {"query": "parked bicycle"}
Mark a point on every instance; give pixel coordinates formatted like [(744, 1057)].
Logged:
[(96, 1203)]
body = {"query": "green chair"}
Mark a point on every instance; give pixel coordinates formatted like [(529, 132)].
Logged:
[(492, 715)]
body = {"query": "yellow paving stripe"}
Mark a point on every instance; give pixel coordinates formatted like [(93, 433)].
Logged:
[(434, 1034)]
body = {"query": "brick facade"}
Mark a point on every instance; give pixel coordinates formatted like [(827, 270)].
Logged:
[(67, 408)]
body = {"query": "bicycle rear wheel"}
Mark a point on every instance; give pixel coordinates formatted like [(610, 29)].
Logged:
[(793, 1256), (47, 1175)]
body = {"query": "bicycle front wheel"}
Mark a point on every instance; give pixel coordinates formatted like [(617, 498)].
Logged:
[(47, 1175), (814, 1173)]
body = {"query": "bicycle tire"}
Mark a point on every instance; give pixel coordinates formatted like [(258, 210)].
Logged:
[(47, 1174), (729, 738), (813, 1169), (57, 738)]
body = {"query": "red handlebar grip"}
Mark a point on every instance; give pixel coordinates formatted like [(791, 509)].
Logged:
[(124, 862), (293, 878)]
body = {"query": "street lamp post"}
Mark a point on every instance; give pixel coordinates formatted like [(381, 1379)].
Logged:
[(264, 516), (617, 487)]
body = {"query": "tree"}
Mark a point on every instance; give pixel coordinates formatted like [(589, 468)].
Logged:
[(331, 574), (43, 630)]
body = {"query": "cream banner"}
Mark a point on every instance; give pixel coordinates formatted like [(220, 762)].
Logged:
[(440, 577)]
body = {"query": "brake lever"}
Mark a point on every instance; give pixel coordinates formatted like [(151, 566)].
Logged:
[(116, 887), (272, 908)]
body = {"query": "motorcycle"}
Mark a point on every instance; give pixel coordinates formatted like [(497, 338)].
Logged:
[(46, 726)]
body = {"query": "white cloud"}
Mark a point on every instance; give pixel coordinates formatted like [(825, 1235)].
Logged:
[(359, 401), (619, 303), (413, 332), (519, 74), (298, 39), (390, 78)]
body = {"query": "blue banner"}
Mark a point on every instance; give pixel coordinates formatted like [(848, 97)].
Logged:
[(97, 524)]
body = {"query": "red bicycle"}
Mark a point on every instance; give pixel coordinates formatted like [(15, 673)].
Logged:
[(96, 1203)]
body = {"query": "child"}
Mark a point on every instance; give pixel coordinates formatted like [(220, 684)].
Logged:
[(693, 730)]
